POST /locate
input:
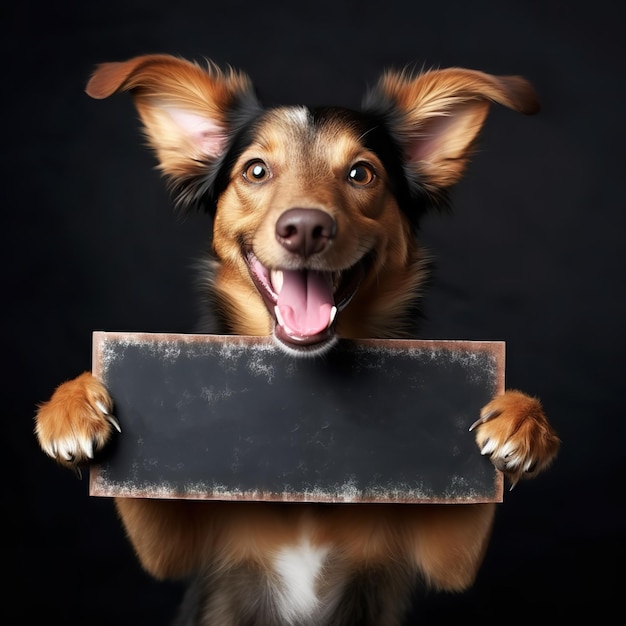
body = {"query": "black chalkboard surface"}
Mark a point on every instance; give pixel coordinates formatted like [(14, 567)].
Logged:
[(234, 418)]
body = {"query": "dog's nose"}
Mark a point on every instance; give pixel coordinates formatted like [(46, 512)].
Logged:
[(305, 231)]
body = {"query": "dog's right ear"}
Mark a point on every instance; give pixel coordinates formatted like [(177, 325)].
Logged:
[(189, 113)]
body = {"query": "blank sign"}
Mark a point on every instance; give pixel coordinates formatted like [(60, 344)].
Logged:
[(234, 418)]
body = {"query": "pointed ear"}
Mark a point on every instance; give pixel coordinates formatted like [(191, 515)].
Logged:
[(436, 117), (188, 112)]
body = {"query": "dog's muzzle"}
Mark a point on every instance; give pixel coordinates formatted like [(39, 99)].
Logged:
[(305, 302)]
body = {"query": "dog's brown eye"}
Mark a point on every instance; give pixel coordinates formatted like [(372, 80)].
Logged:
[(256, 172), (361, 174)]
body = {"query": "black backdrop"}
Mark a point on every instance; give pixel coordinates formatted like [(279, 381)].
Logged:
[(533, 255)]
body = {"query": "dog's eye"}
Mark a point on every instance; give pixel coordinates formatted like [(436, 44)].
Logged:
[(361, 174), (256, 172)]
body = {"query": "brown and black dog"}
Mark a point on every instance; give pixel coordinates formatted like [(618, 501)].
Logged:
[(315, 214)]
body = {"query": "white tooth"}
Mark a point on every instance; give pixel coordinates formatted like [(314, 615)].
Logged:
[(279, 317), (333, 315), (277, 280)]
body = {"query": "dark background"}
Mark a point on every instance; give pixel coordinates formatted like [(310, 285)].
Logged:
[(533, 254)]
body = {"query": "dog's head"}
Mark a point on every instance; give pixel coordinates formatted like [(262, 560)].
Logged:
[(314, 209)]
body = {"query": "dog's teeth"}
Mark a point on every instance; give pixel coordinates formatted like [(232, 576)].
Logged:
[(333, 315), (279, 317), (277, 280)]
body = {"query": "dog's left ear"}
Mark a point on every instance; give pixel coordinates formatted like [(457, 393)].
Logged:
[(436, 116)]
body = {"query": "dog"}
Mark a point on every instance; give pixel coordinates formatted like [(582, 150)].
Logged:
[(315, 216)]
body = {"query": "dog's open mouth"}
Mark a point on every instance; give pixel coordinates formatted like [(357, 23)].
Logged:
[(305, 303)]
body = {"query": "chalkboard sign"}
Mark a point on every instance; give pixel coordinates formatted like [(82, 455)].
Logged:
[(234, 418)]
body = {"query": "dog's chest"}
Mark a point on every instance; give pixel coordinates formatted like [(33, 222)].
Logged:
[(300, 583), (299, 573)]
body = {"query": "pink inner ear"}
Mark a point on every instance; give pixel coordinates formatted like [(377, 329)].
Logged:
[(207, 135), (448, 136), (428, 142)]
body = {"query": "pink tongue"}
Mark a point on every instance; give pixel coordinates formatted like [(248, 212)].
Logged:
[(305, 302)]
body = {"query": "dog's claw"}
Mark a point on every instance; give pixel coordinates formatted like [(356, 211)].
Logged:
[(485, 418), (77, 472), (113, 421), (88, 449)]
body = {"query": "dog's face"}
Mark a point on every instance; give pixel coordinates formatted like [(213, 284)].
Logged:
[(307, 227), (314, 209)]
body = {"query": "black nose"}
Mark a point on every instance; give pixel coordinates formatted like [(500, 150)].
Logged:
[(305, 231)]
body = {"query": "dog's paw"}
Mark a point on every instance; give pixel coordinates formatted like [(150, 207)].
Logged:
[(76, 421), (514, 433)]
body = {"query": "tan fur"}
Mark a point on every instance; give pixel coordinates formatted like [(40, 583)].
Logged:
[(440, 114)]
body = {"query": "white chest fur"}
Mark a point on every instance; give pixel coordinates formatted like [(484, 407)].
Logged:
[(299, 568)]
